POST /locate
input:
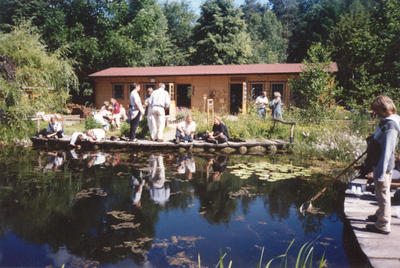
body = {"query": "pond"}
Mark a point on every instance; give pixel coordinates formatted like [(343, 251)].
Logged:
[(161, 210)]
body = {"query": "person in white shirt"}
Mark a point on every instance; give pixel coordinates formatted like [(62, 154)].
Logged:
[(185, 130), (76, 138), (54, 129), (261, 104), (96, 134), (135, 111), (103, 117), (159, 101)]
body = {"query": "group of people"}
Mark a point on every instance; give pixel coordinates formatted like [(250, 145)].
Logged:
[(110, 114), (154, 107), (262, 104)]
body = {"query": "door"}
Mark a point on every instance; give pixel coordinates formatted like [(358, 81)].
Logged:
[(183, 95), (236, 98)]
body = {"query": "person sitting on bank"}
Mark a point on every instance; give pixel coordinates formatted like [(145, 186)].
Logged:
[(261, 104), (276, 106), (185, 130), (54, 130), (219, 132), (103, 117)]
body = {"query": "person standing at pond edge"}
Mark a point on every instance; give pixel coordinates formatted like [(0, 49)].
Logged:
[(386, 134), (135, 111), (159, 102), (276, 106), (261, 104)]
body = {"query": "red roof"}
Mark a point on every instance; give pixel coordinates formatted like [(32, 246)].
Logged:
[(281, 68)]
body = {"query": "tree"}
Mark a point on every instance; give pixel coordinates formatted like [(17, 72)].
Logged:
[(365, 44), (49, 75), (220, 35), (181, 21), (267, 42), (315, 89)]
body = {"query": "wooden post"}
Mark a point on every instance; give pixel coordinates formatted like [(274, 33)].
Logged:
[(244, 98), (210, 109)]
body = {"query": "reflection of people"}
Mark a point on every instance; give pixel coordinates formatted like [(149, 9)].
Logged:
[(135, 111), (98, 158), (216, 166), (55, 160), (159, 101), (186, 165), (137, 187), (261, 104), (54, 129), (185, 130), (276, 106), (386, 135), (159, 191), (219, 132)]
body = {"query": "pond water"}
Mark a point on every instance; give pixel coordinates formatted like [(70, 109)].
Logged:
[(162, 210)]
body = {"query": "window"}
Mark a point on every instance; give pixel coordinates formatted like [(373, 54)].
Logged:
[(276, 86), (256, 89), (118, 91)]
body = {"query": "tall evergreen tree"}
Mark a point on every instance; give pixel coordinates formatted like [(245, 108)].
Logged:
[(220, 35), (181, 21)]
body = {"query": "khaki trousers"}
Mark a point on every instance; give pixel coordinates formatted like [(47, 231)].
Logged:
[(384, 211), (158, 122)]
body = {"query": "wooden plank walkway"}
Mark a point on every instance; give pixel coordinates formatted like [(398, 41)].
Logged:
[(264, 146), (382, 251)]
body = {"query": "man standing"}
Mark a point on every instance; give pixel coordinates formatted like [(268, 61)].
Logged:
[(135, 111), (386, 135), (159, 101), (261, 104)]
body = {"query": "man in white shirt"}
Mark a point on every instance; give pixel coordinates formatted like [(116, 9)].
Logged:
[(76, 138), (96, 134), (159, 101), (135, 111), (185, 130), (261, 104)]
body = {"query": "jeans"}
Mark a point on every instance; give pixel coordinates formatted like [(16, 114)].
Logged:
[(134, 125), (183, 137), (261, 112)]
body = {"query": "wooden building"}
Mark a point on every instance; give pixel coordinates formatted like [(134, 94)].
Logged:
[(231, 87)]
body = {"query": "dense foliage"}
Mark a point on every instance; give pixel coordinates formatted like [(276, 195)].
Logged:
[(27, 66), (362, 36)]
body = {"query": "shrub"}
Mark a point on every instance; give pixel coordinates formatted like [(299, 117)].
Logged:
[(90, 123), (141, 132)]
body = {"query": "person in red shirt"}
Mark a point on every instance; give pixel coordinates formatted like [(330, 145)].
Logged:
[(116, 113)]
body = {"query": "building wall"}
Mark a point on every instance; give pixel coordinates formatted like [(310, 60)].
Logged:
[(203, 87)]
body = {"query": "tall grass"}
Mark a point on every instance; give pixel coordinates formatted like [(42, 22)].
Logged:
[(304, 258)]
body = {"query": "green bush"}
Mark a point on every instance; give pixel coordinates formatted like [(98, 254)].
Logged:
[(141, 132), (90, 123)]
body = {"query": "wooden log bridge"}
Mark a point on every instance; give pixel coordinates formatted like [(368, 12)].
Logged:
[(382, 251), (246, 147)]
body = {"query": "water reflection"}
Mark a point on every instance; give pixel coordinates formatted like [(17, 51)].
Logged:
[(155, 207)]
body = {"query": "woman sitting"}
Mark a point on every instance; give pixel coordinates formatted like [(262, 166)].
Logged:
[(185, 130), (219, 132)]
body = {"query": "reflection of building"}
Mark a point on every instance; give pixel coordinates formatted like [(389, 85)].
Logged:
[(231, 86)]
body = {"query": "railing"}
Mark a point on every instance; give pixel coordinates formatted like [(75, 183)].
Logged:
[(292, 124)]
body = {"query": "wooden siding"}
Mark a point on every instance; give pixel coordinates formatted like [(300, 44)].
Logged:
[(202, 86)]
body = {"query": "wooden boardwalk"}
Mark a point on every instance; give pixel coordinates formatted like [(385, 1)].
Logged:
[(246, 147), (382, 251)]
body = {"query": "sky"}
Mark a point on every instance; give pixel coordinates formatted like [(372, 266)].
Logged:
[(197, 3)]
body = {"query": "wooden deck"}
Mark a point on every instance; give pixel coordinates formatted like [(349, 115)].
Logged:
[(247, 147), (382, 251)]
